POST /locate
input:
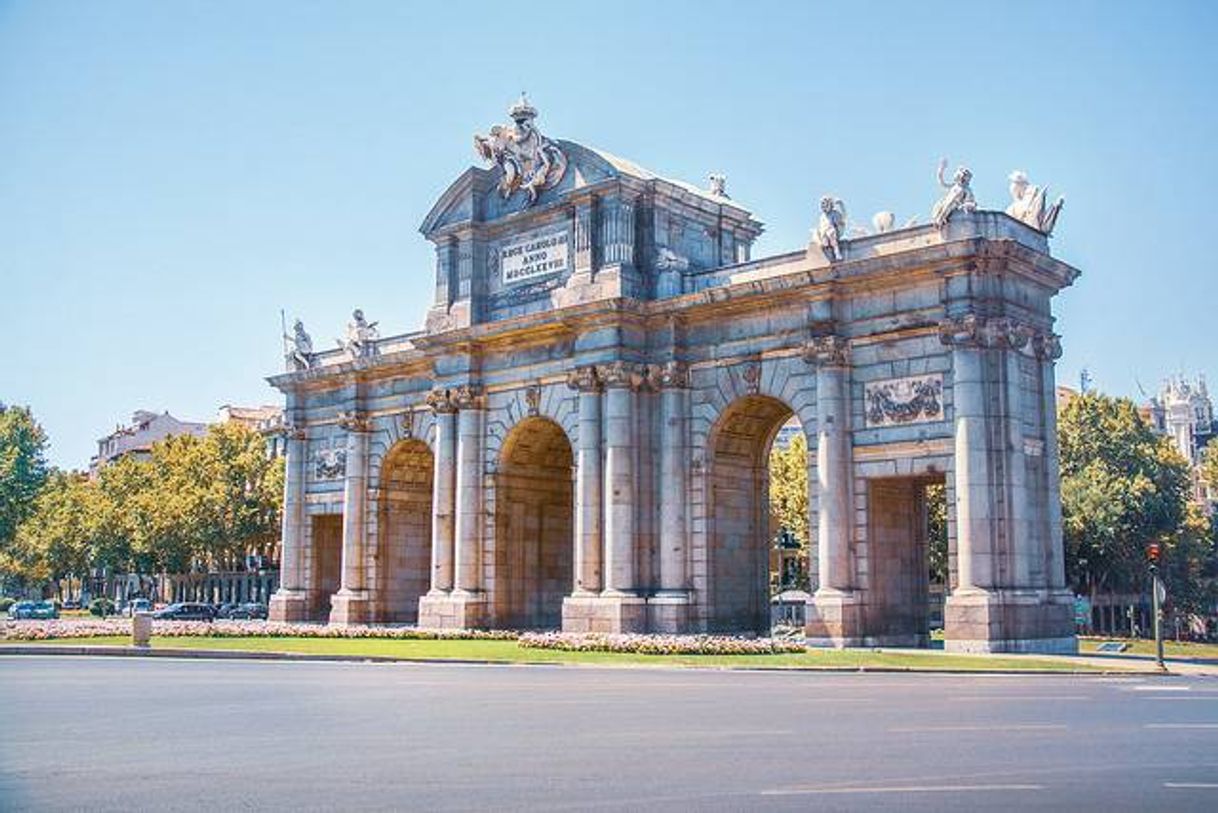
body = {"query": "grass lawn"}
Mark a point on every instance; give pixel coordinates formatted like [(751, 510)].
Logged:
[(1171, 649), (510, 652)]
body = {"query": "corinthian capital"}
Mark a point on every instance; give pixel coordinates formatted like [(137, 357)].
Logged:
[(828, 351), (1047, 346), (971, 330), (354, 421), (293, 431), (442, 401), (621, 374), (468, 396), (584, 379), (673, 374)]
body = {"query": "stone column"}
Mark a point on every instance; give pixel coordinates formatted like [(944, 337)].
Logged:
[(1047, 348), (833, 614), (351, 604), (973, 471), (443, 508), (589, 486), (468, 525), (289, 602), (621, 381), (669, 608)]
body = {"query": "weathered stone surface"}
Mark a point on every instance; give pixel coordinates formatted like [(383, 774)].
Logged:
[(606, 369)]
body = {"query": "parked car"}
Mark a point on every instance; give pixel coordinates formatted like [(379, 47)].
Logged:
[(40, 610), (137, 605), (71, 604), (248, 610), (225, 610), (186, 611)]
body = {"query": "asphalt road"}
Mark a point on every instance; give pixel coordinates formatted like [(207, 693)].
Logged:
[(122, 734)]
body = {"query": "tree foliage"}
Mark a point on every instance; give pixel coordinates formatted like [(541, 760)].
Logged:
[(789, 488), (197, 503), (23, 468), (1122, 486)]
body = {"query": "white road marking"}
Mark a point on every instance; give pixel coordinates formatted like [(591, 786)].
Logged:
[(950, 728), (1192, 785), (1159, 689), (900, 789), (1181, 725)]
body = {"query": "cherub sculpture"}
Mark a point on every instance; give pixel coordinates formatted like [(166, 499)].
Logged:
[(959, 195), (1028, 203), (831, 227), (300, 350)]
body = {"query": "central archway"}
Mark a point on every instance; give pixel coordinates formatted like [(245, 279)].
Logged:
[(404, 521), (534, 526), (740, 528)]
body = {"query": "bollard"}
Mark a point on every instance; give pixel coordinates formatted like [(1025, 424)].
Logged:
[(141, 629)]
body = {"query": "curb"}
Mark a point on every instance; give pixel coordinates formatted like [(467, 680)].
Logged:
[(248, 655)]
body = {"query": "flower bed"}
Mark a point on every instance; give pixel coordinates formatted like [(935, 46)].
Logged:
[(52, 630), (658, 644)]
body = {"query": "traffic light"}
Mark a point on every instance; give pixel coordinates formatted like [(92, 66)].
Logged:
[(1152, 553)]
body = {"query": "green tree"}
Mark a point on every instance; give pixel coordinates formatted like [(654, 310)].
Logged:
[(1122, 486), (23, 468), (936, 520), (1209, 467), (789, 488), (53, 543)]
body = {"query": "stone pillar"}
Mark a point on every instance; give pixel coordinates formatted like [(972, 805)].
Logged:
[(468, 524), (670, 607), (618, 607), (834, 617), (621, 382), (1047, 349), (289, 602), (466, 603), (443, 508), (589, 486), (1001, 602), (456, 599), (351, 604)]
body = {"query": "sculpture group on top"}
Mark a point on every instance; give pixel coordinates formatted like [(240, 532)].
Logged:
[(1029, 205), (359, 342), (529, 160)]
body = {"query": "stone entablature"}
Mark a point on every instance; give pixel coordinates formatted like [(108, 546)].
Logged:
[(597, 437)]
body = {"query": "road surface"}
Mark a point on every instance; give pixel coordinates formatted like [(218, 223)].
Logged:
[(122, 734)]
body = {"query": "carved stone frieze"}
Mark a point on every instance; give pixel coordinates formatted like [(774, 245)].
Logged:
[(330, 463), (915, 399)]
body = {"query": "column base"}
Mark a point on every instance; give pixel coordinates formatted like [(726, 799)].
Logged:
[(669, 612), (289, 606), (1036, 621), (834, 619), (455, 610), (350, 607), (604, 613)]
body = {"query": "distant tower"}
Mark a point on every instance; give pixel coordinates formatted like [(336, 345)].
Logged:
[(1084, 381)]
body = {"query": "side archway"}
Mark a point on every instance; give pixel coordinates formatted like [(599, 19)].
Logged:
[(534, 526), (404, 524), (740, 533)]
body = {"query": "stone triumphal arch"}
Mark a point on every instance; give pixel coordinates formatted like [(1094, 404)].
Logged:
[(578, 436)]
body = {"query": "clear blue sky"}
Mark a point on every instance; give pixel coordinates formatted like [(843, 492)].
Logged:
[(173, 173)]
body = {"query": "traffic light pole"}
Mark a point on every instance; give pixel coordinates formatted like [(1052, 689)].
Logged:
[(1156, 613)]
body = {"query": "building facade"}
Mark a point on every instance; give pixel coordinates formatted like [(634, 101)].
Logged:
[(136, 438), (578, 437), (1184, 411)]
